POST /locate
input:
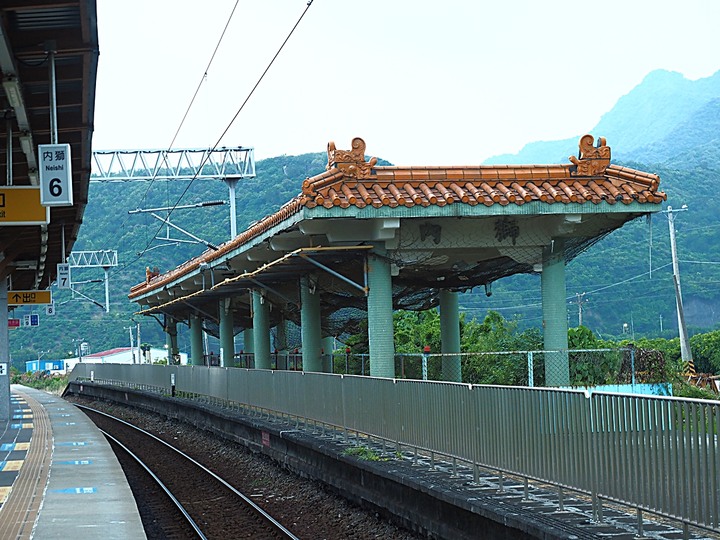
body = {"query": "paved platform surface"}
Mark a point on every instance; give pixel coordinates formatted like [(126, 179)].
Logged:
[(58, 475)]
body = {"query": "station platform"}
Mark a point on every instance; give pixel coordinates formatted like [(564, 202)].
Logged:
[(59, 478)]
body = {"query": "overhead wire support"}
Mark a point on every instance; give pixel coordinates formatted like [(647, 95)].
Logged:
[(232, 121), (179, 164)]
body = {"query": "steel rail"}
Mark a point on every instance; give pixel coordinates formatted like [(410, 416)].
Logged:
[(276, 524), (159, 482)]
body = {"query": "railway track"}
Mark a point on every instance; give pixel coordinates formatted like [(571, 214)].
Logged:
[(204, 505)]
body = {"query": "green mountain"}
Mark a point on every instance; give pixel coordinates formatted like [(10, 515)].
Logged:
[(670, 126)]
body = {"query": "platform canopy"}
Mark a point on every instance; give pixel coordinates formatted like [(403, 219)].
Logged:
[(30, 31), (451, 228)]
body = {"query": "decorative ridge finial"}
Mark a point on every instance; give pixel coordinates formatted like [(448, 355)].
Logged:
[(591, 160), (351, 162)]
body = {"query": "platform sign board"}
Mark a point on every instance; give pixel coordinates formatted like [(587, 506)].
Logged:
[(22, 298), (13, 323), (20, 205), (56, 187), (63, 275)]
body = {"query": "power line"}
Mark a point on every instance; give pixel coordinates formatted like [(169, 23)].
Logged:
[(204, 76), (217, 142)]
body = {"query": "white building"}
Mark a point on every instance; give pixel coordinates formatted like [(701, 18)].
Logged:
[(124, 355)]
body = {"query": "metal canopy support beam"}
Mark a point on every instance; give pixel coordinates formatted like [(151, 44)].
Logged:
[(310, 324), (554, 308), (202, 312), (332, 272), (237, 281), (274, 291)]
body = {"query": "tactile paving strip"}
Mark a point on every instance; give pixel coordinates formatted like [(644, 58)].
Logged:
[(26, 457)]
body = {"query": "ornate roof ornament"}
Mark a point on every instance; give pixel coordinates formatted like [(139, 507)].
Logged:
[(351, 162), (593, 160)]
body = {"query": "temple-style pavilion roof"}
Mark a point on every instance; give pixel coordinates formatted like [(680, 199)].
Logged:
[(355, 202)]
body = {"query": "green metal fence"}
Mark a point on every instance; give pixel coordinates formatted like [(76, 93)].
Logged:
[(587, 367), (655, 454)]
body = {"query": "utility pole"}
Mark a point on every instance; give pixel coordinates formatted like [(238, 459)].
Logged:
[(132, 345), (138, 342), (684, 342), (580, 300)]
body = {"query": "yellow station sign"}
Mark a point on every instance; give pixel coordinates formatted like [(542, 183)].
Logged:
[(21, 298), (20, 205)]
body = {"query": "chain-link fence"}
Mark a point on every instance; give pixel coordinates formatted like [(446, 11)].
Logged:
[(577, 368)]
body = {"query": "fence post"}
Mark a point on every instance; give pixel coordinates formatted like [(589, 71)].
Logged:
[(426, 352), (531, 375)]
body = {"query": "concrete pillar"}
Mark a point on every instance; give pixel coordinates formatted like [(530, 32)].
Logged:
[(554, 307), (380, 315), (171, 339), (4, 354), (310, 325), (261, 330), (227, 333), (450, 335), (196, 341), (328, 343), (248, 346), (248, 340), (281, 345)]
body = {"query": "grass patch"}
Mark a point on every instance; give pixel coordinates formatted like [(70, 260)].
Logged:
[(364, 453)]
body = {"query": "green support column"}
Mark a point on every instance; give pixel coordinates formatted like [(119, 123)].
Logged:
[(281, 344), (450, 336), (310, 325), (380, 315), (171, 339), (248, 340), (261, 330), (328, 343), (554, 307), (196, 342), (227, 335)]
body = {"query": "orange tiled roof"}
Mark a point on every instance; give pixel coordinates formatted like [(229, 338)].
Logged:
[(351, 181)]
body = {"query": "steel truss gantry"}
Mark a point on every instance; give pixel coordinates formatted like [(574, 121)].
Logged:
[(227, 164), (178, 164), (104, 259)]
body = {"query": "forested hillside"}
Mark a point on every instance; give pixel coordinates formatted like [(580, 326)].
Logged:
[(667, 125)]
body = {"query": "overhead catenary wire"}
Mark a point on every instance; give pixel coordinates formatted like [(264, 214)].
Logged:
[(185, 115), (141, 252), (232, 121)]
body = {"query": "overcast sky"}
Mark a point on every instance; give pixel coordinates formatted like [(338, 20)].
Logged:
[(424, 83)]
